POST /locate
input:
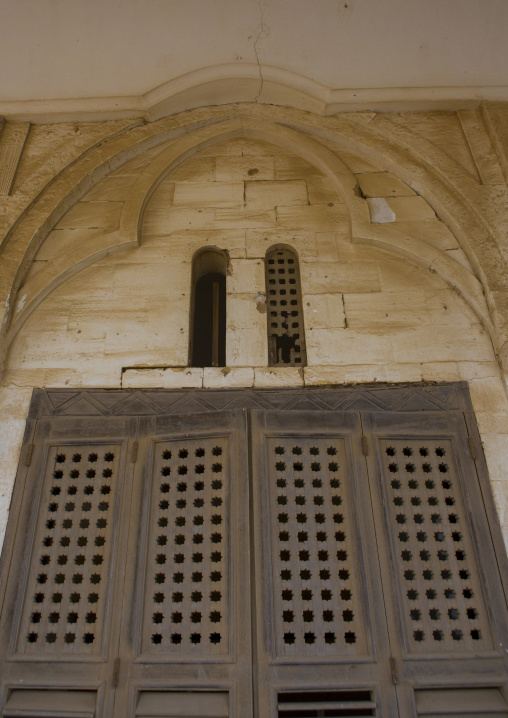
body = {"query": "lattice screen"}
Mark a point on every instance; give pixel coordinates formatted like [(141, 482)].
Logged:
[(442, 597), (286, 336), (315, 592), (65, 599), (187, 583)]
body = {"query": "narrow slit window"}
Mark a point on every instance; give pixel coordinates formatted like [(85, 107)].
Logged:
[(208, 309), (286, 336)]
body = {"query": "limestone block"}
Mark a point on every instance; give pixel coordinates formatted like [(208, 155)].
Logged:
[(246, 275), (246, 335), (288, 167), (440, 343), (326, 244), (11, 436), (320, 218), (14, 400), (399, 274), (411, 209), (243, 218), (492, 423), (278, 376), (346, 346), (434, 232), (495, 447), (358, 373), (478, 370), (194, 169), (322, 191), (258, 241), (60, 241), (239, 147), (177, 219), (335, 277), (208, 194), (265, 194), (163, 196), (227, 377), (500, 492), (111, 188), (375, 311), (167, 378), (231, 169), (324, 310), (183, 245), (489, 395), (383, 184), (102, 215), (440, 371)]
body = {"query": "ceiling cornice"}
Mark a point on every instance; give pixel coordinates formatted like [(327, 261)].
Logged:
[(249, 82)]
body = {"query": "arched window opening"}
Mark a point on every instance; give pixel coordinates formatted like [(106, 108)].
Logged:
[(286, 335), (208, 309)]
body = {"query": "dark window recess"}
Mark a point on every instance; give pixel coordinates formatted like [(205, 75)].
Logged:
[(209, 335), (286, 336), (208, 309)]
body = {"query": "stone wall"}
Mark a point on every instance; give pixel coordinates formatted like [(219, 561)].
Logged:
[(391, 292)]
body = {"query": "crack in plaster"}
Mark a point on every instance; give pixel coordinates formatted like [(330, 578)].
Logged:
[(263, 31)]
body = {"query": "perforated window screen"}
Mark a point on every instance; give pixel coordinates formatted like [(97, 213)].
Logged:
[(286, 334)]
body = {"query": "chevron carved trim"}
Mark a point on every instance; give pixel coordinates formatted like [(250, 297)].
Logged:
[(379, 397)]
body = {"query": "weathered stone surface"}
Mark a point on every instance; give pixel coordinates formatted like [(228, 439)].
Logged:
[(278, 376), (334, 277), (411, 209), (382, 184), (324, 310), (227, 377), (92, 215), (218, 194), (170, 378), (261, 194), (230, 169), (246, 275)]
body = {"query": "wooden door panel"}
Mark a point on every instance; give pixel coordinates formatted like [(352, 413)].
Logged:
[(445, 605), (318, 589), (58, 626), (187, 623)]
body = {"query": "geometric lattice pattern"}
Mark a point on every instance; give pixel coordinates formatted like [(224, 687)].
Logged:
[(442, 596), (187, 576), (65, 598), (286, 337), (316, 600)]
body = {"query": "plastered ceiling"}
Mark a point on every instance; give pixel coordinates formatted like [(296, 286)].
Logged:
[(106, 58)]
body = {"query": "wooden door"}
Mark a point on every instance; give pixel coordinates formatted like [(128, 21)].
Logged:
[(277, 554), (444, 598), (63, 567), (322, 641), (186, 625)]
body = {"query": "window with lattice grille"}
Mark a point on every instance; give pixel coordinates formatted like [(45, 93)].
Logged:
[(286, 334)]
